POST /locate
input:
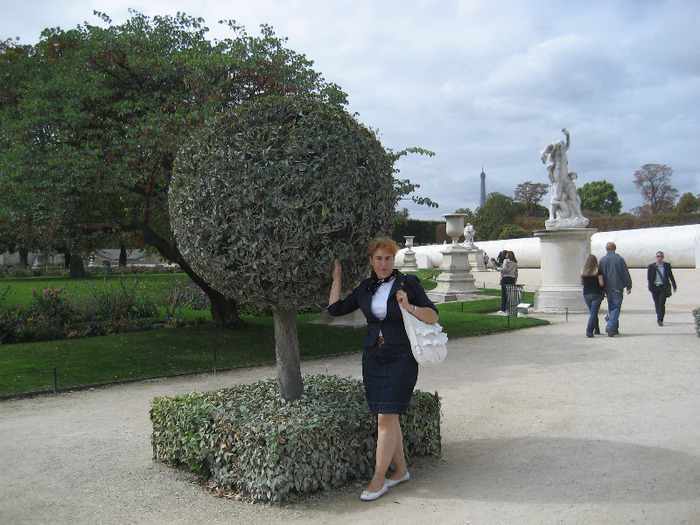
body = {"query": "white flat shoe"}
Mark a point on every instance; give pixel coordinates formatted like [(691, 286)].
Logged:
[(393, 482), (371, 496)]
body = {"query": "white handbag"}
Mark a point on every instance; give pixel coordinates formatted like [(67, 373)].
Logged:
[(428, 341)]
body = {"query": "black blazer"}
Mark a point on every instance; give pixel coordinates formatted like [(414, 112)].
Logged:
[(668, 276), (391, 327)]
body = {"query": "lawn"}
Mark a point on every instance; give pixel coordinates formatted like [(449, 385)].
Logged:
[(196, 347)]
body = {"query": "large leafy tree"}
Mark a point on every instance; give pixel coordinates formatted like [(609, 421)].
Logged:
[(91, 120), (498, 211), (530, 194), (267, 196), (600, 196), (654, 183)]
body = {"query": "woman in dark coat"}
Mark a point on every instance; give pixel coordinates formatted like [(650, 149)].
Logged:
[(389, 371)]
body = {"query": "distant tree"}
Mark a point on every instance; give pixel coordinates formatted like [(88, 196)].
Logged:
[(654, 183), (470, 216), (535, 212), (600, 196), (513, 231), (530, 194), (497, 211), (268, 194), (688, 203)]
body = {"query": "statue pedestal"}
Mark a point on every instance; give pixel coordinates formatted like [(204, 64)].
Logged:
[(476, 259), (563, 253), (455, 282), (410, 264)]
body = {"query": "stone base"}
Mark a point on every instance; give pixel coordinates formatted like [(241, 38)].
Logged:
[(559, 299), (476, 260), (410, 264), (455, 282), (563, 253)]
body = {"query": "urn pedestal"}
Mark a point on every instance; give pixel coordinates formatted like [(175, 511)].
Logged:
[(455, 282), (410, 264)]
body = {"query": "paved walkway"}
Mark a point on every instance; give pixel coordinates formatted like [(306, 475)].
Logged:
[(539, 426)]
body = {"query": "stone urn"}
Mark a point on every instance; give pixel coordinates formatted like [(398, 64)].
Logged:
[(455, 225)]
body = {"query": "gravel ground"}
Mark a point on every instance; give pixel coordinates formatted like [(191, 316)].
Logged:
[(539, 426)]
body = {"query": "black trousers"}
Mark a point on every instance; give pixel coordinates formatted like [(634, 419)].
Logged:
[(659, 295)]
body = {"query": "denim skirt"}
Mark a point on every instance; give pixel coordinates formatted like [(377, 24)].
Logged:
[(389, 373)]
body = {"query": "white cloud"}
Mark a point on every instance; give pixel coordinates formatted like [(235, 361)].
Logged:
[(481, 83)]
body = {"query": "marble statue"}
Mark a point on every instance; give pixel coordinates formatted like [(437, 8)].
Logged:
[(565, 207), (469, 236)]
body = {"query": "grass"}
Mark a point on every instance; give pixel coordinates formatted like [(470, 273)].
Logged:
[(21, 289), (66, 364)]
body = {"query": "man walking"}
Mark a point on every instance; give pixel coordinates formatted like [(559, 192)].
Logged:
[(616, 278), (660, 278)]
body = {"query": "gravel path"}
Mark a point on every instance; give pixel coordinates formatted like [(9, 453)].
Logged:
[(539, 426)]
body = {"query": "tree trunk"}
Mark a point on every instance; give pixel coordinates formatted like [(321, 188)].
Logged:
[(23, 257), (77, 266), (287, 351), (122, 256), (224, 312)]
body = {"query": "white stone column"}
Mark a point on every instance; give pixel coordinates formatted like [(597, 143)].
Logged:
[(563, 253)]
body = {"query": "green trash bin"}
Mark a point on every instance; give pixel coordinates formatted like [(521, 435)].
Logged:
[(514, 294)]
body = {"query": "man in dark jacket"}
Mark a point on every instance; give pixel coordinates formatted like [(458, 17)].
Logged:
[(660, 278)]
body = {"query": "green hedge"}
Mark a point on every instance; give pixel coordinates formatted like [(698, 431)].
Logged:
[(250, 441)]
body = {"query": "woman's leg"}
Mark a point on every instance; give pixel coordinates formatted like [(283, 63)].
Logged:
[(588, 298), (399, 458), (388, 442)]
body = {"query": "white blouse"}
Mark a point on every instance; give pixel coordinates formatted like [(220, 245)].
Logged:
[(380, 300)]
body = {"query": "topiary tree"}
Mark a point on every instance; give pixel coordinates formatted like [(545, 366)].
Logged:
[(266, 196)]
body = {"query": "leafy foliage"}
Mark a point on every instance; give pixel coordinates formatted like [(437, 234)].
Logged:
[(601, 197), (91, 120), (271, 192), (688, 203), (252, 442), (513, 231), (497, 211)]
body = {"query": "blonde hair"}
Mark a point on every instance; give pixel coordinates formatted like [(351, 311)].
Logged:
[(590, 267), (384, 243)]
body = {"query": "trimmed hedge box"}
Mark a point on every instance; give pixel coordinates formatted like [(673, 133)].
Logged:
[(250, 441)]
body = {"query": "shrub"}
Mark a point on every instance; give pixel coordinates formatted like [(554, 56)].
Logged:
[(696, 315), (183, 294), (251, 441)]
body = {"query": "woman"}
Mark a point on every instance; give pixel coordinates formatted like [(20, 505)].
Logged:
[(389, 371), (592, 293), (509, 275)]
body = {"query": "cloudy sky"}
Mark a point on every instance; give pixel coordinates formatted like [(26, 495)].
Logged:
[(480, 83)]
